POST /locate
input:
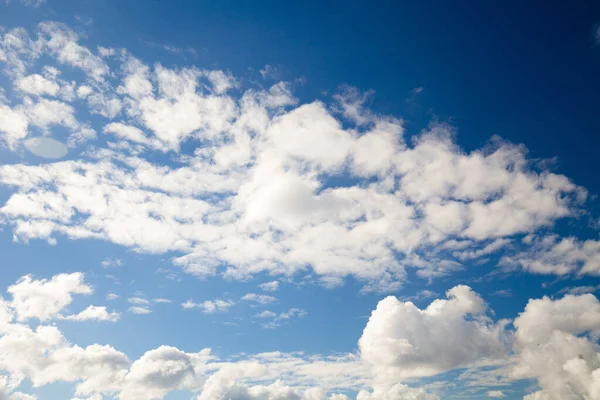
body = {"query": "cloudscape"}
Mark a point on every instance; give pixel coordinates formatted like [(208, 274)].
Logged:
[(299, 201)]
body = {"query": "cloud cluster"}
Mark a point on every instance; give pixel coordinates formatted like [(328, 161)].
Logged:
[(558, 256), (401, 340), (557, 344), (209, 306), (265, 184), (44, 299), (554, 342)]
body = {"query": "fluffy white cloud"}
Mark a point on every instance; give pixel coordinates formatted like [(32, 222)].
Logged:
[(557, 344), (157, 373), (276, 320), (401, 340), (38, 85), (497, 394), (63, 44), (209, 306), (558, 256), (44, 299), (272, 286), (139, 310), (396, 392), (273, 186), (13, 125), (95, 313), (259, 298), (139, 301)]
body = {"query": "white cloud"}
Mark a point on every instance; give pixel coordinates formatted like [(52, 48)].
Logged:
[(139, 310), (276, 320), (33, 3), (162, 301), (157, 373), (396, 392), (270, 72), (63, 44), (209, 306), (139, 301), (13, 125), (112, 296), (107, 106), (272, 286), (558, 256), (556, 342), (126, 132), (498, 394), (109, 262), (259, 298), (95, 313), (44, 299), (45, 113), (22, 396), (37, 85), (401, 340), (273, 186), (266, 314)]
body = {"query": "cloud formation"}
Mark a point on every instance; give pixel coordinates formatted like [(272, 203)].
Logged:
[(402, 341), (334, 188)]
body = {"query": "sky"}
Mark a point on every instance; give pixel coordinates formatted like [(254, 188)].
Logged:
[(299, 201)]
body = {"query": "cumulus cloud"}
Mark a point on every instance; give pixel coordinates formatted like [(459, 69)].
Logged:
[(272, 286), (259, 298), (209, 306), (558, 256), (139, 310), (13, 125), (557, 345), (96, 313), (273, 185), (396, 392), (276, 320), (401, 340), (139, 301), (37, 85), (44, 299), (44, 356)]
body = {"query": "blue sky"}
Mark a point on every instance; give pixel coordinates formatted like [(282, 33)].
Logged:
[(253, 201)]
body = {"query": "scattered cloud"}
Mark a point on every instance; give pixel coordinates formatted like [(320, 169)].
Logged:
[(110, 262), (270, 72), (557, 345), (272, 286), (261, 186), (44, 299), (557, 256), (276, 320), (139, 301), (209, 306), (95, 313), (259, 298), (139, 310)]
